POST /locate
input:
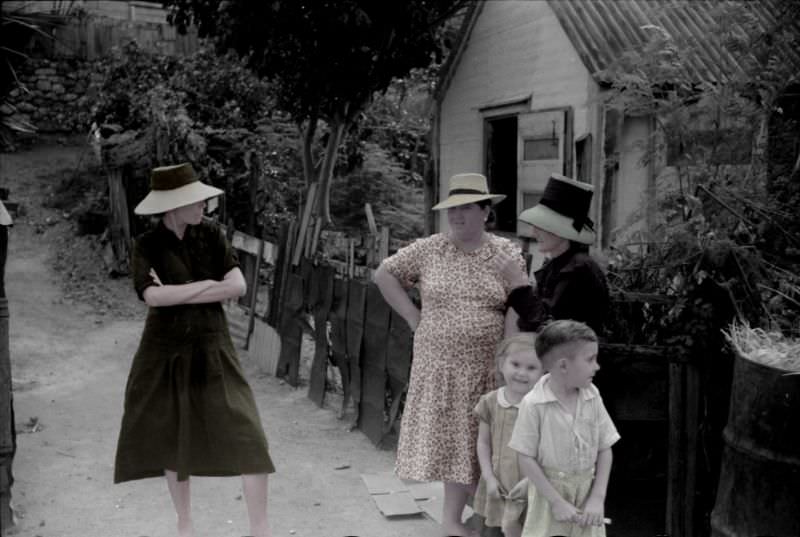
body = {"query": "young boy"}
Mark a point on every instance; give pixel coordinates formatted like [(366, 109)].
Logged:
[(563, 436)]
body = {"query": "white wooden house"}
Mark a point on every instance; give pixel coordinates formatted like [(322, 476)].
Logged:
[(520, 98)]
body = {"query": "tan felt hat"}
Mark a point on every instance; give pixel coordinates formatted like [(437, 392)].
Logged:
[(467, 188), (172, 187)]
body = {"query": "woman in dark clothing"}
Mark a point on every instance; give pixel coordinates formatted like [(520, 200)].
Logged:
[(570, 284), (188, 407)]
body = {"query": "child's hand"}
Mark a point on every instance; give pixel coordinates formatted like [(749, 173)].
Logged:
[(493, 488), (564, 511), (520, 491), (592, 513)]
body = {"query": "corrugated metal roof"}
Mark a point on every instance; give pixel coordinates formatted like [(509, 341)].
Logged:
[(602, 29)]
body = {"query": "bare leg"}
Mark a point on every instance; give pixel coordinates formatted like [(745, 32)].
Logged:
[(455, 499), (181, 499), (513, 529), (255, 496)]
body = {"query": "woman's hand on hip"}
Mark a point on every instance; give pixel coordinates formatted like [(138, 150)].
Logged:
[(413, 319)]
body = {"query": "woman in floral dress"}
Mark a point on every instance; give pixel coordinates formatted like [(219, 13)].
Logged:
[(462, 319)]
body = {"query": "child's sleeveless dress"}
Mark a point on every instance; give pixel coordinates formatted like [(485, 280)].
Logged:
[(495, 410)]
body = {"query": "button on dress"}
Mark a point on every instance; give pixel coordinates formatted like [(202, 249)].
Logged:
[(461, 323), (188, 407)]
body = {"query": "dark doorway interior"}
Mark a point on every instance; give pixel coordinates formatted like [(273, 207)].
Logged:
[(501, 169)]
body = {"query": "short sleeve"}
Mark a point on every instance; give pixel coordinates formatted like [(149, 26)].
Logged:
[(406, 264), (483, 408), (526, 434), (140, 268), (608, 435)]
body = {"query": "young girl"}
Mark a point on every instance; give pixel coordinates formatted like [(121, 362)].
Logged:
[(502, 493), (564, 436)]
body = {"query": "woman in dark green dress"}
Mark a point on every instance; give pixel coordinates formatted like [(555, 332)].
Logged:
[(188, 407)]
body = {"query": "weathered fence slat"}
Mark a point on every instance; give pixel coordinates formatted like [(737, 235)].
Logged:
[(321, 301)]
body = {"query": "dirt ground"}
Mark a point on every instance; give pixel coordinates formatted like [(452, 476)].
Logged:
[(73, 332)]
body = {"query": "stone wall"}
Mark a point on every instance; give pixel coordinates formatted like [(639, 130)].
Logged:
[(55, 95)]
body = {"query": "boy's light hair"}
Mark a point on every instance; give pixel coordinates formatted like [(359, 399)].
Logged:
[(558, 333), (521, 342)]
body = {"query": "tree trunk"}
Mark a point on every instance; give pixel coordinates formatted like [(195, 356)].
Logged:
[(119, 225), (322, 208)]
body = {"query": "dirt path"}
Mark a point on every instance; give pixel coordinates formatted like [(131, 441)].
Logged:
[(69, 362)]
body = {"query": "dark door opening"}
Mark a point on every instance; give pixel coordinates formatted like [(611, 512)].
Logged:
[(501, 169)]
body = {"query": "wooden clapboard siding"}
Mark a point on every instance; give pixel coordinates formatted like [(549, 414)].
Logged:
[(516, 48)]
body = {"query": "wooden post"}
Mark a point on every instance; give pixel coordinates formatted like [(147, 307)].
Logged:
[(301, 235), (254, 295), (676, 463), (383, 247), (119, 224), (370, 219), (315, 236), (692, 427), (8, 444), (351, 258)]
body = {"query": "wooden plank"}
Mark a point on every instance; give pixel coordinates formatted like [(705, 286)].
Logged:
[(315, 236), (644, 352), (299, 246), (253, 295), (351, 258), (373, 229), (692, 429), (253, 245), (383, 247), (675, 457)]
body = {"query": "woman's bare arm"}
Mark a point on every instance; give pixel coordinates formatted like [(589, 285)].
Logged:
[(396, 296), (232, 285)]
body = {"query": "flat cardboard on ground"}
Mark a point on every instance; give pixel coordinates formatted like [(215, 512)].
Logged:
[(390, 494)]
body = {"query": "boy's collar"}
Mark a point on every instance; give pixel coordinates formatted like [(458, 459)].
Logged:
[(541, 393)]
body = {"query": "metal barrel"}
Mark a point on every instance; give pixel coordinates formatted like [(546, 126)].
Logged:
[(759, 483)]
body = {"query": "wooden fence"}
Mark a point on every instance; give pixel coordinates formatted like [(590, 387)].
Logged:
[(653, 393), (91, 38)]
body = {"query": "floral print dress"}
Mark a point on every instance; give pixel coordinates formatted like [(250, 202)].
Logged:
[(462, 321)]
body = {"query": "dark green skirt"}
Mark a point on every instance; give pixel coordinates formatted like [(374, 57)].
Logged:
[(189, 409)]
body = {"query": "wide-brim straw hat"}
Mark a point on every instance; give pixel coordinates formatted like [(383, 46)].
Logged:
[(563, 210), (467, 188), (172, 187)]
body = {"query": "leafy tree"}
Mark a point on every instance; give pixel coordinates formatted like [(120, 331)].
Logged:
[(326, 58)]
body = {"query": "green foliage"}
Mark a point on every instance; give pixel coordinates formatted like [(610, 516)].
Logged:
[(324, 59), (711, 247), (385, 184)]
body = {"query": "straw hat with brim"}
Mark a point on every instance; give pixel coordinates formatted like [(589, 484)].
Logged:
[(467, 188), (563, 210), (172, 187)]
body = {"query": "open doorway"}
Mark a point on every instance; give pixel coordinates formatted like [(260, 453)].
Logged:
[(501, 169)]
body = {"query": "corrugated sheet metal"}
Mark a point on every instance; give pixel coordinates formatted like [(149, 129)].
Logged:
[(602, 29)]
